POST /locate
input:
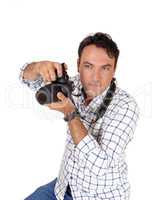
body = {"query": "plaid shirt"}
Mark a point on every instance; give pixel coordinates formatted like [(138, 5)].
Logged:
[(95, 169)]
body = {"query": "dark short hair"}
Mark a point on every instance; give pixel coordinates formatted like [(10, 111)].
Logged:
[(102, 40)]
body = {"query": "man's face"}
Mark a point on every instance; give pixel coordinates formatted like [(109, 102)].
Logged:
[(96, 70)]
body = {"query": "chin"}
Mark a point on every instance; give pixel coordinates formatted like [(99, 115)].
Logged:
[(92, 93)]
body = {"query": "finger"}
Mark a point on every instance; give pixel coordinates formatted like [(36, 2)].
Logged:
[(52, 73), (43, 76), (66, 66), (61, 96), (58, 67), (46, 76), (55, 106)]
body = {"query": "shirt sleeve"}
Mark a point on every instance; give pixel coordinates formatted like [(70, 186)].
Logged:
[(116, 134), (33, 85)]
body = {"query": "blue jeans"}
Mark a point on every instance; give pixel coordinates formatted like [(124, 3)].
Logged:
[(46, 192)]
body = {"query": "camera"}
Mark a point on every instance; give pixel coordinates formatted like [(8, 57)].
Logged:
[(48, 93)]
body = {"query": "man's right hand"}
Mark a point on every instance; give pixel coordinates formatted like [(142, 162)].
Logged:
[(44, 68)]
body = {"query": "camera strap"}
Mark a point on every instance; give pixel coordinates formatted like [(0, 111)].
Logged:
[(106, 101)]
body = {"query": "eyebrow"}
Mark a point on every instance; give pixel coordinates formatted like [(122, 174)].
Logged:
[(105, 65)]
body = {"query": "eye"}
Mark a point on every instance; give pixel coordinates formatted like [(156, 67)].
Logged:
[(106, 68), (87, 66)]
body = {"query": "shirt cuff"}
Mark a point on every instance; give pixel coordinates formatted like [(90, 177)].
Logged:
[(32, 84), (21, 78)]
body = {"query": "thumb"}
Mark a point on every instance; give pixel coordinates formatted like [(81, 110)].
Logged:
[(61, 96)]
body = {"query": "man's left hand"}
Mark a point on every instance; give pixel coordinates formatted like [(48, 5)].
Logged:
[(65, 104)]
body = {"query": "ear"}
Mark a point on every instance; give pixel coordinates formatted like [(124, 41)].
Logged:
[(78, 63)]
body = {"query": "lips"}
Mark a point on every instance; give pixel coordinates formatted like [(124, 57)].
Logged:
[(94, 85), (94, 89)]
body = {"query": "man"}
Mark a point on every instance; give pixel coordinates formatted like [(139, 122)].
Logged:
[(93, 165)]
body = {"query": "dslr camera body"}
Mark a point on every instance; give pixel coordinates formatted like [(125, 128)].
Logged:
[(48, 93)]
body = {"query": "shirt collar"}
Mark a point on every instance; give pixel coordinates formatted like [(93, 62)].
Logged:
[(95, 102)]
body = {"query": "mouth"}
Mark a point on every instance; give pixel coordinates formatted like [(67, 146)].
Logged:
[(93, 90), (94, 85)]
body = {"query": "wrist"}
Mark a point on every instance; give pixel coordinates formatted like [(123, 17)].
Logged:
[(71, 115), (69, 111)]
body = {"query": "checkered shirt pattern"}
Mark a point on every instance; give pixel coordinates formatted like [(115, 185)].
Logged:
[(95, 169)]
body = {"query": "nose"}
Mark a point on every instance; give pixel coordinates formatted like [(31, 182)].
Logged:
[(96, 76)]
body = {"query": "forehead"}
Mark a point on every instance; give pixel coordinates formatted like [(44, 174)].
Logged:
[(96, 54)]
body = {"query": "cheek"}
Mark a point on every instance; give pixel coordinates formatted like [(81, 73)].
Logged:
[(106, 79), (85, 76)]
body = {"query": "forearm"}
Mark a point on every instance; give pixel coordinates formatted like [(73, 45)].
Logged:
[(77, 130)]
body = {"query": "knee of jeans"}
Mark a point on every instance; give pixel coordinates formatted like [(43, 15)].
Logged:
[(40, 189), (47, 187), (37, 194)]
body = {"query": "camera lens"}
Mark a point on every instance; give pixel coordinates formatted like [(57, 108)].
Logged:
[(43, 97)]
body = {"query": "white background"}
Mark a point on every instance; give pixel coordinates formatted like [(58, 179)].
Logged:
[(32, 137)]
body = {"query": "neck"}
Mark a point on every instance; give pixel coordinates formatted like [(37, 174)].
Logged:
[(87, 101), (87, 98)]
